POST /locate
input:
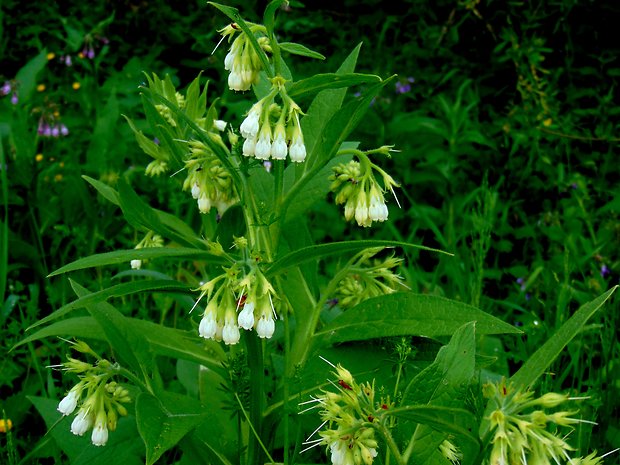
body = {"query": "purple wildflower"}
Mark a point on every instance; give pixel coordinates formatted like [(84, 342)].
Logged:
[(402, 88), (605, 271), (156, 140), (64, 130), (14, 98), (6, 88), (55, 131), (68, 61)]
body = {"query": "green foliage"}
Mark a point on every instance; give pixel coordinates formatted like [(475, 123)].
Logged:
[(504, 122)]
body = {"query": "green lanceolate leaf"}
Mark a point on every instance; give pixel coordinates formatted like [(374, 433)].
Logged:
[(134, 287), (129, 346), (320, 82), (324, 105), (195, 101), (164, 420), (140, 215), (445, 383), (85, 327), (103, 140), (270, 14), (343, 122), (106, 191), (545, 355), (408, 314), (125, 256), (315, 252), (148, 145), (302, 50), (27, 75), (164, 341)]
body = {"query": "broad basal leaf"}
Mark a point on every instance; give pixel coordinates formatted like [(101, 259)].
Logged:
[(405, 313)]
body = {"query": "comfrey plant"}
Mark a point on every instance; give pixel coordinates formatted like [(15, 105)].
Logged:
[(255, 314)]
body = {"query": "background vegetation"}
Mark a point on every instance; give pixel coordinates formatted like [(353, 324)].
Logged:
[(506, 116)]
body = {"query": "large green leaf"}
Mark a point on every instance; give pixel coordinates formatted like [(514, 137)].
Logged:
[(27, 75), (140, 215), (85, 327), (129, 346), (106, 191), (125, 256), (343, 122), (103, 138), (315, 252), (164, 341), (122, 447), (299, 49), (323, 107), (270, 14), (165, 419), (320, 82), (548, 352), (445, 383), (160, 285), (406, 313)]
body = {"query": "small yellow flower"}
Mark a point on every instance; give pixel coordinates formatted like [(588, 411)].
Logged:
[(5, 425), (58, 177), (548, 122), (56, 114), (61, 164), (40, 87), (51, 56), (76, 85), (39, 157)]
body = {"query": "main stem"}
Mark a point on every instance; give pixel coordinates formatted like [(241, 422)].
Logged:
[(255, 361)]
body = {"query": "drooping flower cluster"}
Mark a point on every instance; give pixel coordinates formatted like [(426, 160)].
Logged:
[(273, 131), (242, 59), (208, 180), (47, 129), (349, 415), (355, 186), (368, 277), (10, 87), (150, 240), (102, 397), (237, 299), (519, 422)]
